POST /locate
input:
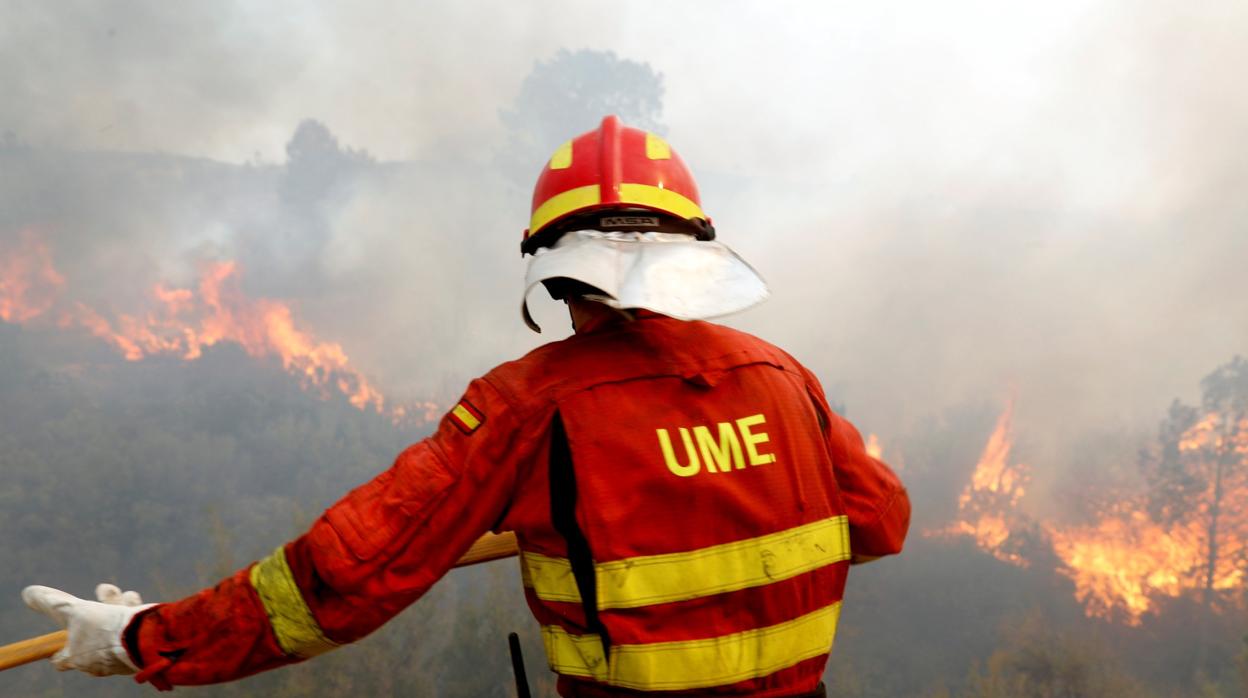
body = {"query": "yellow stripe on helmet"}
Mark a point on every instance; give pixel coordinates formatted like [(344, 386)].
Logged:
[(657, 148), (644, 195), (660, 199), (561, 204), (296, 630), (562, 159)]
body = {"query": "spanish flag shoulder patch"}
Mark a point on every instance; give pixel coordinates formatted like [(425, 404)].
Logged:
[(466, 417)]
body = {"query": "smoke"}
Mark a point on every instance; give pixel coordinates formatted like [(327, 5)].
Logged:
[(954, 203), (1069, 234), (951, 203), (140, 76)]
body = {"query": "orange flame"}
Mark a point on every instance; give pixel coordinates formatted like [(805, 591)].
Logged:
[(986, 508), (28, 281), (185, 322), (1126, 561), (993, 473)]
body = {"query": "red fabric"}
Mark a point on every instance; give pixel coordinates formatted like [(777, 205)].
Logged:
[(384, 544), (875, 500), (667, 374), (216, 635)]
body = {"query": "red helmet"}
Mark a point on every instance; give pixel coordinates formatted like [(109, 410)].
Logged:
[(614, 169)]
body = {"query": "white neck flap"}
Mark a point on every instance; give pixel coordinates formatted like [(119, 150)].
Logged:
[(668, 273)]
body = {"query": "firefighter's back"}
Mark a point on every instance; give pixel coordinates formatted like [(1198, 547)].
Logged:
[(682, 530)]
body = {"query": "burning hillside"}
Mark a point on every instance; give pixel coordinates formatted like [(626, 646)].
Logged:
[(988, 506), (28, 282), (183, 322), (1183, 535)]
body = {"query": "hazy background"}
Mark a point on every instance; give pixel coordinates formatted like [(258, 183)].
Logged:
[(953, 202)]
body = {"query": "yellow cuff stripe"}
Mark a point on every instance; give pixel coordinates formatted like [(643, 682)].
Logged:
[(654, 579), (297, 631), (671, 666)]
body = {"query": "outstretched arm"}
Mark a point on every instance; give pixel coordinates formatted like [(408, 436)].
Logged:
[(875, 501), (362, 562)]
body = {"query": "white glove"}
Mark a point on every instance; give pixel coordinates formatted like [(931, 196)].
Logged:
[(95, 629)]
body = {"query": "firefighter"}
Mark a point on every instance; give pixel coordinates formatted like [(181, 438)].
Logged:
[(685, 502)]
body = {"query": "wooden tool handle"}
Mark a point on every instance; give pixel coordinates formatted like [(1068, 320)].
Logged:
[(32, 649), (488, 547), (491, 546)]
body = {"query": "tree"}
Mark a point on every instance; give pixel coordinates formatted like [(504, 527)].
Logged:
[(1198, 481), (319, 178), (316, 163), (570, 94), (1198, 491)]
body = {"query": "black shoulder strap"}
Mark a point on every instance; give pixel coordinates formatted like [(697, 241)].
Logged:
[(563, 515)]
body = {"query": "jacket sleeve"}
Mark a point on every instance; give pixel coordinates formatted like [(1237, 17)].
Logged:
[(875, 500), (363, 561)]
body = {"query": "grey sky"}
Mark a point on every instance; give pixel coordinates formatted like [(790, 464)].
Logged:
[(951, 200)]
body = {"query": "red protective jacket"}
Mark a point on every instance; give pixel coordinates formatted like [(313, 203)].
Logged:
[(685, 502)]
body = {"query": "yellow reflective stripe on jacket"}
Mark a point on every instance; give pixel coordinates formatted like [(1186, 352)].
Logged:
[(718, 661), (297, 631), (549, 577), (654, 579)]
